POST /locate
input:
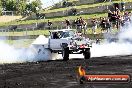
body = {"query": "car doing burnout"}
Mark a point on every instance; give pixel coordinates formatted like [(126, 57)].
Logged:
[(67, 41)]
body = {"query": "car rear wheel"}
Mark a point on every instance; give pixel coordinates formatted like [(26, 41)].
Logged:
[(87, 54), (65, 53)]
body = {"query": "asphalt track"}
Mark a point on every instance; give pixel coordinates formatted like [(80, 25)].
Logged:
[(60, 74)]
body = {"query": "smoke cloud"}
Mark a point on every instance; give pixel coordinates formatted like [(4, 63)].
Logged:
[(10, 54), (123, 45)]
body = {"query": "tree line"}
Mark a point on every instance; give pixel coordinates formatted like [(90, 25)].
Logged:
[(21, 7)]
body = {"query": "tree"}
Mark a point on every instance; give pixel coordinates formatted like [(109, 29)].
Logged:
[(3, 2), (10, 5), (21, 7), (0, 7), (36, 6), (39, 4)]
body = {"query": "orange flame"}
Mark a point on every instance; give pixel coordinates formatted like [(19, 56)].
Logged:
[(81, 71)]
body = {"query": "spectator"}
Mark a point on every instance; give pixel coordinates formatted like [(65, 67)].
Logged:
[(94, 25), (64, 3), (108, 25), (74, 11), (113, 19), (130, 16), (49, 24), (122, 21), (118, 19), (109, 15), (84, 26), (81, 22), (79, 26), (103, 24), (122, 5), (67, 24), (127, 19)]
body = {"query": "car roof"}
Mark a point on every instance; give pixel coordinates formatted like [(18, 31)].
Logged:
[(64, 30)]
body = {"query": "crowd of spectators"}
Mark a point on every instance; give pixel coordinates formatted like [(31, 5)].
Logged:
[(115, 20), (79, 23)]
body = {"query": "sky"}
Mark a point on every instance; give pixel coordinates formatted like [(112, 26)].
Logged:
[(47, 3)]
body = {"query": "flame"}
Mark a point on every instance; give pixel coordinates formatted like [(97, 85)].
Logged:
[(82, 72)]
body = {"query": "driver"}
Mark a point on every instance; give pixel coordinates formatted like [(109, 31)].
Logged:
[(55, 35)]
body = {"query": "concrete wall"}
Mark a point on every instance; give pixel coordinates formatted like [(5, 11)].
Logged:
[(86, 10), (79, 2), (87, 1)]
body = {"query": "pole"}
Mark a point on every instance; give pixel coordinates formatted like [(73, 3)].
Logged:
[(26, 31)]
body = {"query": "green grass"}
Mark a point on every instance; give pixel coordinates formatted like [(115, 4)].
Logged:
[(85, 16), (54, 19), (24, 33), (19, 43), (43, 32), (72, 0), (85, 6), (37, 32)]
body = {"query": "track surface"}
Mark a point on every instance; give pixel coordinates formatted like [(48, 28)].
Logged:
[(59, 74)]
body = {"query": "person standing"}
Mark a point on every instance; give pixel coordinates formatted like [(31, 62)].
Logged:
[(103, 24), (49, 24), (108, 25), (67, 24), (85, 26), (94, 25), (78, 24)]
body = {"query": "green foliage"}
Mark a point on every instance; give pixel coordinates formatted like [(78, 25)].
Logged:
[(10, 5), (34, 6), (0, 7), (22, 7)]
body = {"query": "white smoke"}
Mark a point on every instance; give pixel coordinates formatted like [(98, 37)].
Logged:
[(10, 54), (111, 49), (122, 47)]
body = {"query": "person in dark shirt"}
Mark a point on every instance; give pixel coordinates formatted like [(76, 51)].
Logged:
[(55, 35), (114, 19), (49, 24), (108, 25), (79, 25), (103, 24), (67, 24)]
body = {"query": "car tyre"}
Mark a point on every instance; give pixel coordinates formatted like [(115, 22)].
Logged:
[(65, 53), (87, 54)]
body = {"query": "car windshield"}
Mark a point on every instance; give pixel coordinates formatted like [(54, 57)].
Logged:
[(67, 34)]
